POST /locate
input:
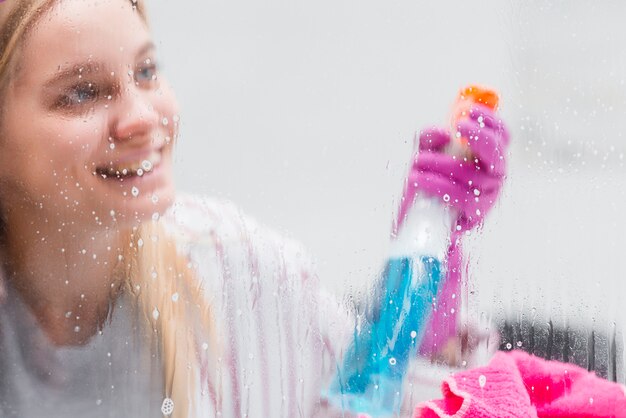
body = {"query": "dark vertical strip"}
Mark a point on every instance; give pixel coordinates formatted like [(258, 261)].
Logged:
[(591, 351), (550, 347), (612, 353), (519, 336), (567, 350)]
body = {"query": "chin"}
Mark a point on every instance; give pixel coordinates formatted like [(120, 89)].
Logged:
[(144, 208)]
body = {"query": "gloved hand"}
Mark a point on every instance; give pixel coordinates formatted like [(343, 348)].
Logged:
[(471, 186)]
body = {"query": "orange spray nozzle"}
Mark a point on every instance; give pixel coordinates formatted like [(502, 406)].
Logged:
[(480, 94), (467, 98)]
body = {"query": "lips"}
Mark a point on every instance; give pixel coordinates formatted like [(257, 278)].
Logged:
[(131, 168)]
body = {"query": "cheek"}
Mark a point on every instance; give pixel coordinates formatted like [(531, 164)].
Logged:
[(74, 141), (60, 154), (167, 105)]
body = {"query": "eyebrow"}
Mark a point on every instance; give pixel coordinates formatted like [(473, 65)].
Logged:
[(76, 70), (147, 47), (90, 67)]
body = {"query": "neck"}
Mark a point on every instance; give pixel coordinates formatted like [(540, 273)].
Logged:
[(67, 274)]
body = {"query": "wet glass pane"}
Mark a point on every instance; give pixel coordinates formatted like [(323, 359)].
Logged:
[(228, 209)]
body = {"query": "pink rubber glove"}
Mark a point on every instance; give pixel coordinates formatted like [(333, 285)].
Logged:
[(471, 187)]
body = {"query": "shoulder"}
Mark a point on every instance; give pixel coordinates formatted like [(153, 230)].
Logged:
[(213, 226), (194, 216)]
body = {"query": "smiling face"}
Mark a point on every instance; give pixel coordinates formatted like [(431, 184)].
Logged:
[(88, 123)]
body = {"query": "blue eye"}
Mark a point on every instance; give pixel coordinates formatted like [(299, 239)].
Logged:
[(79, 94), (146, 72)]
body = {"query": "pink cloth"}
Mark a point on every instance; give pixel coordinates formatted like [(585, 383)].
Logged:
[(518, 385)]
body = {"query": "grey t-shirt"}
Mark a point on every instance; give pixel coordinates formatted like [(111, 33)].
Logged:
[(118, 373)]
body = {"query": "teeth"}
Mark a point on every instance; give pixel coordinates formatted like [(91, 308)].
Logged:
[(133, 168)]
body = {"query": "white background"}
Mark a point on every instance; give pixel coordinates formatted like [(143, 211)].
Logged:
[(303, 113)]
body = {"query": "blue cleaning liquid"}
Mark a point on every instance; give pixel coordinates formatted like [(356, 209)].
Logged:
[(371, 377)]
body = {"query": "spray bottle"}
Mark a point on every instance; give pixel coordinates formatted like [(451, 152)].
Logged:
[(370, 379)]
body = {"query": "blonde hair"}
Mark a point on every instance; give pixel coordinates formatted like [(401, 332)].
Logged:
[(172, 299), (168, 293)]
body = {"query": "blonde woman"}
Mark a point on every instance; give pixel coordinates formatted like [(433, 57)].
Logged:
[(120, 298)]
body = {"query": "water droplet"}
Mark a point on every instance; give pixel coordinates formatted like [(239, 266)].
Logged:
[(590, 401), (413, 334), (155, 314), (508, 346), (167, 407), (205, 346), (156, 216), (519, 343), (482, 380), (392, 361), (76, 328), (112, 145), (446, 197), (140, 242), (175, 297), (134, 191), (155, 199), (165, 122), (140, 172), (476, 192), (154, 274), (146, 165)]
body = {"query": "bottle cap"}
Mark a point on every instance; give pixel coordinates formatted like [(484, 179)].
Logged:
[(466, 99)]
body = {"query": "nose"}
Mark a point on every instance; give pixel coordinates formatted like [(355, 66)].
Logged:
[(136, 116)]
